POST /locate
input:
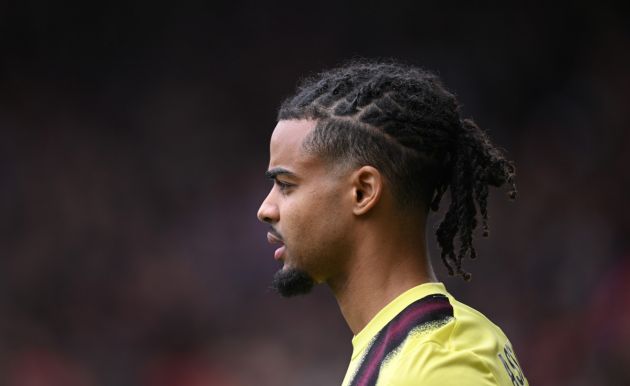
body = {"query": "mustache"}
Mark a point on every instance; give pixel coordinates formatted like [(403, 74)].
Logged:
[(275, 233)]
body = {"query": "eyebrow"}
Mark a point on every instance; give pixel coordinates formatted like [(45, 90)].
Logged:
[(275, 172)]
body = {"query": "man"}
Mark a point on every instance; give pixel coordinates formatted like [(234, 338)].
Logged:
[(359, 157)]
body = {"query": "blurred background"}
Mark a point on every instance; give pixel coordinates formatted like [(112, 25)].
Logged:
[(133, 142)]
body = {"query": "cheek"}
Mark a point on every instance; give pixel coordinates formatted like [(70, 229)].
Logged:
[(316, 229), (314, 215), (325, 220)]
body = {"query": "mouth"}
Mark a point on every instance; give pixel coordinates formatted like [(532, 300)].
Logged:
[(274, 238)]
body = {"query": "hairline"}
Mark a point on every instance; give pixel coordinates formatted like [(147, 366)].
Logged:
[(348, 160), (338, 164)]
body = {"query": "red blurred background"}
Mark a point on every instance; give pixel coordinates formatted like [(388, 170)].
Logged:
[(132, 151)]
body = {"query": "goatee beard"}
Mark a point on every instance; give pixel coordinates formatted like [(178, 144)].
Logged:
[(291, 282)]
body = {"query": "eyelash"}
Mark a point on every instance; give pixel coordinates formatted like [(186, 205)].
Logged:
[(283, 186)]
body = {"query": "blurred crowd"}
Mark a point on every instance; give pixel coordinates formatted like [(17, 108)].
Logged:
[(132, 154)]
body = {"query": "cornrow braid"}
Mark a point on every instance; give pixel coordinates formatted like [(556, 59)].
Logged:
[(401, 120)]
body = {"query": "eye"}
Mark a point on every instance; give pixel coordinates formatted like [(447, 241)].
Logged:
[(283, 186)]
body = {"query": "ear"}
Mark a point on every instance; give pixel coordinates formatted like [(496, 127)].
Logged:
[(367, 185)]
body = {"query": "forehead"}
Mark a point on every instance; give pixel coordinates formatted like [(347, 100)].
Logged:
[(286, 143)]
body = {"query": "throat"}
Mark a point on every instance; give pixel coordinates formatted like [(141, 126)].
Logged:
[(362, 294)]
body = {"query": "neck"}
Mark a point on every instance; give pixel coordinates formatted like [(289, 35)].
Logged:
[(386, 263)]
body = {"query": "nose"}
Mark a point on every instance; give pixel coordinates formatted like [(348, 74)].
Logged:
[(268, 211)]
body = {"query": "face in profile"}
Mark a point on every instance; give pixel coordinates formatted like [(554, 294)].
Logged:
[(306, 210)]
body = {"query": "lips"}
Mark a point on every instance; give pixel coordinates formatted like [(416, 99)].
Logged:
[(278, 253), (276, 239), (273, 238)]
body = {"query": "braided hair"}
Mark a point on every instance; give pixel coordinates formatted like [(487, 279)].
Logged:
[(401, 120)]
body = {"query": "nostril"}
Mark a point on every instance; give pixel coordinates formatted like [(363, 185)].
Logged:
[(264, 217), (268, 213)]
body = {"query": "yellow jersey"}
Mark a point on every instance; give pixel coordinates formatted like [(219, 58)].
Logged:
[(425, 337)]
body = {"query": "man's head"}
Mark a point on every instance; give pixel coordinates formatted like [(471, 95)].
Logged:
[(402, 129), (313, 207)]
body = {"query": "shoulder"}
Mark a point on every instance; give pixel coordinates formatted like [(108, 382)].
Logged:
[(430, 363), (468, 350)]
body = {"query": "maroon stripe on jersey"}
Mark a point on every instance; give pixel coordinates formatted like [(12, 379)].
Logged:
[(430, 311)]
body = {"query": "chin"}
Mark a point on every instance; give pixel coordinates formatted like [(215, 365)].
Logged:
[(290, 282)]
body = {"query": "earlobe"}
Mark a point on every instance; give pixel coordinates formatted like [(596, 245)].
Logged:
[(368, 186)]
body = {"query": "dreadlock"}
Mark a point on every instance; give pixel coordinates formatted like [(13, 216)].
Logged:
[(401, 120)]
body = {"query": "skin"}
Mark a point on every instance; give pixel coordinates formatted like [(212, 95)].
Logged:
[(340, 224)]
